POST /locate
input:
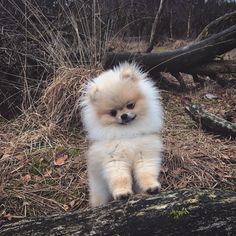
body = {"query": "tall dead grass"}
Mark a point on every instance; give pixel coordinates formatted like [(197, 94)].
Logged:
[(61, 97), (76, 35), (42, 162), (41, 151)]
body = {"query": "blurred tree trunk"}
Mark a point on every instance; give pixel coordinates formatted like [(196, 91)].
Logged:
[(180, 212), (154, 27), (171, 23), (189, 22)]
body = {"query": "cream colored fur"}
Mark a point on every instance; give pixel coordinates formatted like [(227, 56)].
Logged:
[(122, 158)]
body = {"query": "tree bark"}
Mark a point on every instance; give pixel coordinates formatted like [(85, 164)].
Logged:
[(179, 60), (178, 76), (218, 25), (189, 22), (211, 122), (171, 23), (214, 67), (154, 27), (182, 212)]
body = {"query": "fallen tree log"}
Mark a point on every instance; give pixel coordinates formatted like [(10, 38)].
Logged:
[(182, 212), (218, 25), (214, 67), (210, 122), (182, 59)]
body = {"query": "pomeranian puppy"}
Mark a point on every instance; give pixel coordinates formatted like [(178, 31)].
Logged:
[(122, 114)]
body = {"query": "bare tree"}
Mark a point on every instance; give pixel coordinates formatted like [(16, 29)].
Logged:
[(154, 26), (189, 22)]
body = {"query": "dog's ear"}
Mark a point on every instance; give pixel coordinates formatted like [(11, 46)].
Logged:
[(128, 74), (93, 92)]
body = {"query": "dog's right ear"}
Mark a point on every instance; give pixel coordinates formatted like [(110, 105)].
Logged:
[(128, 74), (93, 92)]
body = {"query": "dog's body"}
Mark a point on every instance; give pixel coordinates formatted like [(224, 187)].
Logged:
[(123, 117)]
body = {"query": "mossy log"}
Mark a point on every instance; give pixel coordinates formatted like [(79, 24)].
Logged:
[(180, 212), (211, 122)]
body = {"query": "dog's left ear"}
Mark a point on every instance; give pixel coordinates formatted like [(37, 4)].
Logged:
[(93, 92), (128, 74)]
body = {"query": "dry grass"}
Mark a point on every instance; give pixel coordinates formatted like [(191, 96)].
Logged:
[(42, 151), (195, 158), (136, 44), (50, 37), (42, 164), (130, 44), (61, 97)]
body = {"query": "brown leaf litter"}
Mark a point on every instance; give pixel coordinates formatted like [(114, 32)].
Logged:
[(42, 164)]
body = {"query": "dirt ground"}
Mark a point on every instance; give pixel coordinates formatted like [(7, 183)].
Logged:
[(42, 161)]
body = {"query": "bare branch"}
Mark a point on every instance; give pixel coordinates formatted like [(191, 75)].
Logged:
[(154, 27)]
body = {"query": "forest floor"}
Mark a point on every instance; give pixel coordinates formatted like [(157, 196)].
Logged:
[(43, 167)]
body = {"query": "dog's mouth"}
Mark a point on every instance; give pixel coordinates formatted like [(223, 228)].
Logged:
[(127, 121)]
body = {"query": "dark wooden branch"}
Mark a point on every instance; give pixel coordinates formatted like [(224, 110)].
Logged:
[(181, 59), (211, 122), (221, 80), (178, 76), (182, 212), (218, 25), (214, 67), (198, 80)]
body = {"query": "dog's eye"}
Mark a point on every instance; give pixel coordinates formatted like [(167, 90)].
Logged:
[(130, 105), (113, 113)]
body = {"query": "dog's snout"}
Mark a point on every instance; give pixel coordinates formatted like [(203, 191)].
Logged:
[(124, 117)]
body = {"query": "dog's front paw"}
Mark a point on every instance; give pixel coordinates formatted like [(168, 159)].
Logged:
[(154, 189), (122, 195)]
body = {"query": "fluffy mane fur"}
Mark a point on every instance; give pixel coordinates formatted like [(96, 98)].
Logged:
[(150, 123)]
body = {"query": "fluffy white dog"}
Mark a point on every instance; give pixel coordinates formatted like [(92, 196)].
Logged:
[(122, 114)]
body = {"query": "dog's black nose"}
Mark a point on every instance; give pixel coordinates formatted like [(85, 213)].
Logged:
[(124, 117)]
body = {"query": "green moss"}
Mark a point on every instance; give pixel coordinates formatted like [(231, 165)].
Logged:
[(160, 49), (73, 152), (35, 171), (49, 182), (176, 214), (39, 164), (60, 149)]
